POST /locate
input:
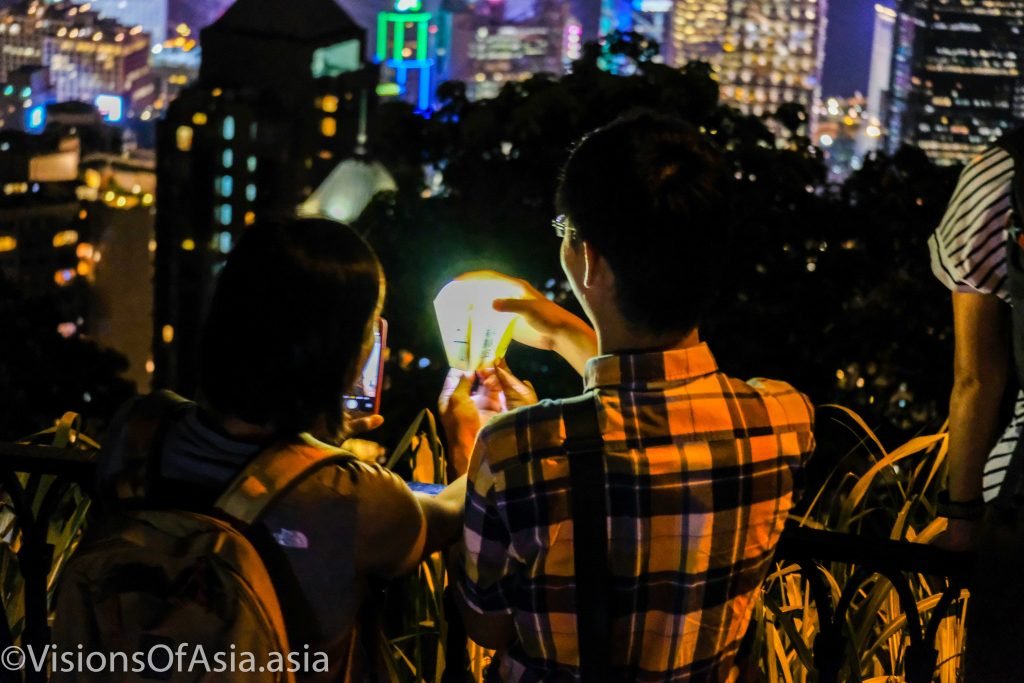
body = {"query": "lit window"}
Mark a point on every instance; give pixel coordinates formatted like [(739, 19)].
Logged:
[(228, 129), (184, 136), (329, 104), (167, 333), (224, 214), (225, 186), (65, 238), (225, 242), (228, 158), (329, 127), (188, 244), (250, 217), (199, 118), (7, 243), (84, 250), (250, 193), (251, 164)]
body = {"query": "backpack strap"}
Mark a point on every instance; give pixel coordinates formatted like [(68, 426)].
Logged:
[(145, 422), (272, 474), (584, 445)]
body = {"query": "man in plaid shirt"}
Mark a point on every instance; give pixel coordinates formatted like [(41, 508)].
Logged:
[(701, 469)]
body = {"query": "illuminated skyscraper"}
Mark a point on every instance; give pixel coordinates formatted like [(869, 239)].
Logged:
[(490, 49), (150, 14), (88, 57), (275, 109), (765, 52), (956, 77), (881, 62)]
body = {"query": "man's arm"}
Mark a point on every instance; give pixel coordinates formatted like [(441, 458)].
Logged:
[(981, 363)]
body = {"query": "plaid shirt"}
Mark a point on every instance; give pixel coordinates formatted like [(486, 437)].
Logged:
[(702, 471)]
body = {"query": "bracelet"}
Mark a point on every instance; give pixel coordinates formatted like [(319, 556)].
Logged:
[(970, 510)]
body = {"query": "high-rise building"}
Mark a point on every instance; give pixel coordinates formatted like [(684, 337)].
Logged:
[(490, 49), (881, 62), (956, 77), (765, 52), (88, 57), (151, 15), (76, 227), (277, 106)]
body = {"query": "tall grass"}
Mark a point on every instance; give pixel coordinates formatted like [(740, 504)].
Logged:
[(891, 493), (893, 496)]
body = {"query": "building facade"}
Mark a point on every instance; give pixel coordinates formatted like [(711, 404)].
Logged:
[(76, 228), (764, 52), (276, 107), (881, 62), (88, 57), (490, 50), (956, 82), (151, 15)]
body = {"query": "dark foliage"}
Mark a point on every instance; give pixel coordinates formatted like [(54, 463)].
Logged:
[(826, 287), (43, 375)]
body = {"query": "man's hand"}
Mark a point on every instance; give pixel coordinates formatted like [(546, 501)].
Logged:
[(464, 413), (545, 325), (517, 392)]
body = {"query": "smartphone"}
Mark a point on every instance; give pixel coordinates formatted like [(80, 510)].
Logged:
[(365, 396)]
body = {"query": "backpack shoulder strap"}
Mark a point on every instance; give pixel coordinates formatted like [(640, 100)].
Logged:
[(130, 466), (584, 445), (273, 473)]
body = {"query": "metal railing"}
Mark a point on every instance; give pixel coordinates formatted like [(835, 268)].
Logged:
[(35, 480), (896, 561), (23, 467)]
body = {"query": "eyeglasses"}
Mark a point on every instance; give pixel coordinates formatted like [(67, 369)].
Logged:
[(562, 228)]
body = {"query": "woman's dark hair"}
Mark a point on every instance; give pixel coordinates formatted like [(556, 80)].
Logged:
[(292, 311), (647, 193)]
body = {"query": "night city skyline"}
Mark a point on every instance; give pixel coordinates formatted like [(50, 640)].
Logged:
[(251, 249), (847, 51)]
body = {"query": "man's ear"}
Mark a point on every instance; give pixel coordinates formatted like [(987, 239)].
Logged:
[(594, 266)]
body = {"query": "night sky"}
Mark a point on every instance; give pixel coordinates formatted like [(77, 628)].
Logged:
[(848, 48)]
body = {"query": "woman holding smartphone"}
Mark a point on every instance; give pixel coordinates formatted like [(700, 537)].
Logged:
[(289, 331)]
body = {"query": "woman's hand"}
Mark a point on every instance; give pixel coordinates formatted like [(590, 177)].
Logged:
[(464, 412), (367, 451)]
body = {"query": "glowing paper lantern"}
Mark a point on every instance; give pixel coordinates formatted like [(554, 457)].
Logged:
[(474, 334)]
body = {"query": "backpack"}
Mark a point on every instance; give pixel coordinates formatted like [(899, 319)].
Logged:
[(150, 584)]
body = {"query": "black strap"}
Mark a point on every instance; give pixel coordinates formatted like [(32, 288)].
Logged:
[(585, 448)]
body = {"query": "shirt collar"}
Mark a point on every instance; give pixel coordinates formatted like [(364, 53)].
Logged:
[(649, 368)]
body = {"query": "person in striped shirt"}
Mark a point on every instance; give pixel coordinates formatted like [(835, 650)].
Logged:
[(969, 252), (701, 469)]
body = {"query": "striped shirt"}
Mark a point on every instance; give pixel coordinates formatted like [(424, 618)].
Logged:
[(702, 470), (968, 252)]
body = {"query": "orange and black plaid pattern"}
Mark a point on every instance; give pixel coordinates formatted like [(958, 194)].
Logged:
[(701, 469)]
